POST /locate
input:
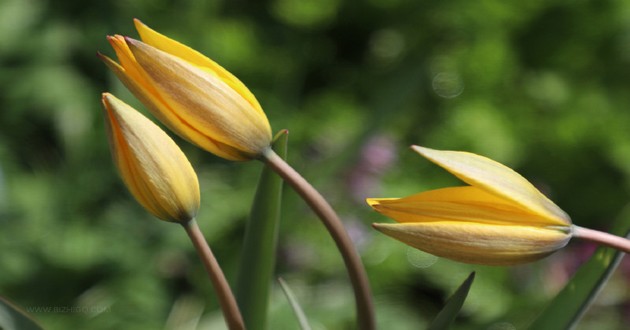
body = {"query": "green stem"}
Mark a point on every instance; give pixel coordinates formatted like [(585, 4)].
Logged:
[(354, 266), (231, 313), (613, 241)]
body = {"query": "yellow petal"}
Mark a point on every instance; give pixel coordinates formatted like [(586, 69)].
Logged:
[(203, 101), (479, 243), (127, 60), (134, 78), (496, 179), (469, 204), (153, 168), (173, 47)]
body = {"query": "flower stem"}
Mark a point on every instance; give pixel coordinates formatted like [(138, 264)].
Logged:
[(616, 242), (354, 266), (232, 314)]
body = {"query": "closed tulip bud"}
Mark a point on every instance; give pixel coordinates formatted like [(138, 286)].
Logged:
[(154, 169), (499, 219), (191, 94)]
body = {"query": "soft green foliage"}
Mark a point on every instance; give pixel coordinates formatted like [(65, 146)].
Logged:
[(541, 86)]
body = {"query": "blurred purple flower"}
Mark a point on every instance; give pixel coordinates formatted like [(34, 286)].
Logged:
[(377, 155)]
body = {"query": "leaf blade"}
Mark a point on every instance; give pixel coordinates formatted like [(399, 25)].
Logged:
[(295, 305), (453, 305), (567, 308), (259, 244)]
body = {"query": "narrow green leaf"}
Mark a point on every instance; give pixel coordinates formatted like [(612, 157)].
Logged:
[(259, 246), (295, 305), (566, 309), (14, 318), (447, 315)]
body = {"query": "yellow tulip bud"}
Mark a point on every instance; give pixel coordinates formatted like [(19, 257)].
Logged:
[(154, 169), (191, 94), (499, 219)]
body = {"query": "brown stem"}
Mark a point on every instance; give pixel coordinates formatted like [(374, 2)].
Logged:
[(354, 266), (613, 241), (231, 313)]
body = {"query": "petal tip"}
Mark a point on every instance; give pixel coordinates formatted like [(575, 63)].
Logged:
[(131, 42), (423, 151), (116, 40), (139, 25), (383, 227), (106, 101), (103, 57), (105, 97), (110, 63)]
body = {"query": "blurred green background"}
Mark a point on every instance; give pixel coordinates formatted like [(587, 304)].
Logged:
[(542, 86)]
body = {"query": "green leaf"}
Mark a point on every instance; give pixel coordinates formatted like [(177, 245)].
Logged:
[(447, 315), (295, 305), (259, 246), (566, 309), (14, 318)]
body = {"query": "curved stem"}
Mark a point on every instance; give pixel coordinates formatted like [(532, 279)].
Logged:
[(616, 242), (231, 313), (354, 266)]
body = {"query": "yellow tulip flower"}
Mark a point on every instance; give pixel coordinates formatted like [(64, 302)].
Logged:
[(499, 219), (191, 94), (154, 169)]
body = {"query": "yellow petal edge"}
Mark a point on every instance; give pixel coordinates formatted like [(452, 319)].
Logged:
[(168, 45), (493, 245), (496, 179), (466, 204)]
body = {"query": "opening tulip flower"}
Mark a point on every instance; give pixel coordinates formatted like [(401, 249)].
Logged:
[(191, 94), (154, 169), (499, 219)]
